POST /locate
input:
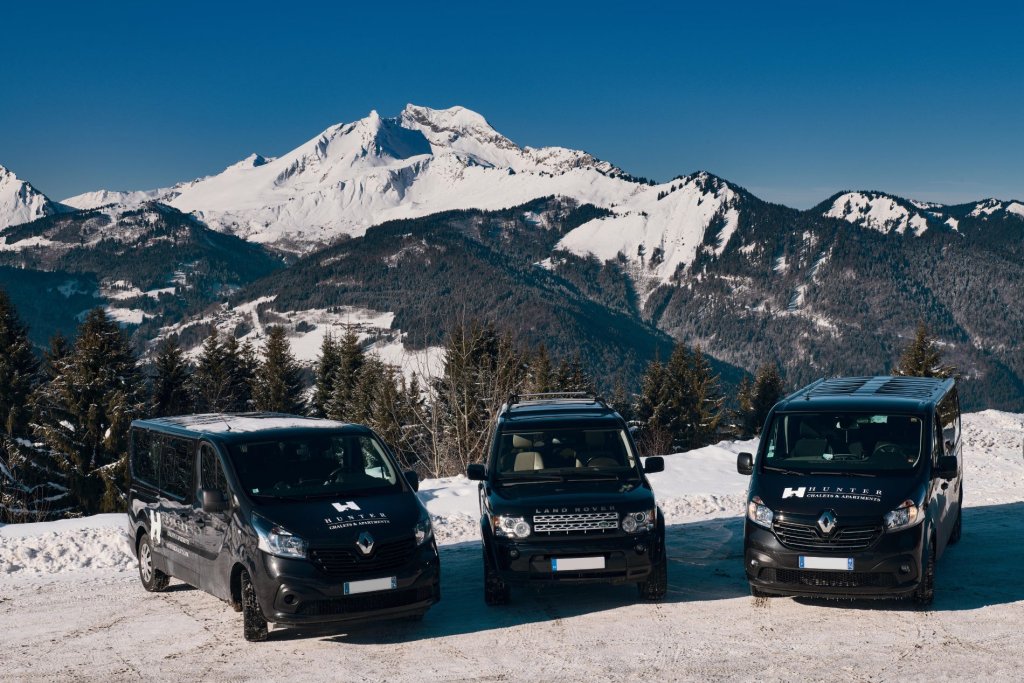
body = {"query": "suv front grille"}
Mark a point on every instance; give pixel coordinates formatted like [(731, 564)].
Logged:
[(576, 523), (349, 561), (844, 539)]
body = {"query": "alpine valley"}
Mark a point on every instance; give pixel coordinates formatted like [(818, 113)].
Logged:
[(405, 225)]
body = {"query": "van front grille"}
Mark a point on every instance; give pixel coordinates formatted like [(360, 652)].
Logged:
[(825, 579), (583, 522), (798, 536), (347, 562)]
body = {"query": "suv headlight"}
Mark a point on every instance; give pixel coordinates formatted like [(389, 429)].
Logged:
[(906, 515), (637, 522), (277, 540), (424, 530), (512, 527), (759, 513)]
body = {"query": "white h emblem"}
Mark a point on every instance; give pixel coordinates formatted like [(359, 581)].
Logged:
[(342, 507), (794, 492), (155, 526)]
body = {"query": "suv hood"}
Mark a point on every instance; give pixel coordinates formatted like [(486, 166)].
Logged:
[(528, 499), (853, 496), (330, 521)]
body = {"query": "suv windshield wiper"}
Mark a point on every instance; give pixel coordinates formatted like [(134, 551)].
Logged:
[(783, 470), (531, 479)]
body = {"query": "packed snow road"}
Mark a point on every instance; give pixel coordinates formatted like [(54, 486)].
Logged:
[(71, 606)]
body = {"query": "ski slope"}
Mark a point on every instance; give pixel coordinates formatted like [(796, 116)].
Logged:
[(71, 606)]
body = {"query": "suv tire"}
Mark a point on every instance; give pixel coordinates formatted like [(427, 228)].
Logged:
[(254, 624), (496, 591), (656, 585), (153, 580), (925, 593)]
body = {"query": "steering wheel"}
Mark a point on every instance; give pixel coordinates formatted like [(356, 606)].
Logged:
[(889, 449), (335, 474)]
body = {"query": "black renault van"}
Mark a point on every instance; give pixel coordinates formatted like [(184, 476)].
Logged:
[(564, 499), (857, 489), (291, 520)]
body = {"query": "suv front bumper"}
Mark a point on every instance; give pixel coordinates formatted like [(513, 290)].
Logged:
[(627, 559), (890, 568)]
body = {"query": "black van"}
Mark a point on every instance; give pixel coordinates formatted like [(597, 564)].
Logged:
[(564, 499), (291, 520), (857, 489)]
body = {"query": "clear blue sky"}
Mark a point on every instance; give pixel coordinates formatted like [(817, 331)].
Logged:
[(792, 100)]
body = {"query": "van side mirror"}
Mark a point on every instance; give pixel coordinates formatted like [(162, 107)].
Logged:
[(475, 472), (633, 431), (745, 463), (947, 467), (214, 500), (653, 464), (413, 479)]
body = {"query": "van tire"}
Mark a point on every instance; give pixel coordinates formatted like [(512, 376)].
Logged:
[(153, 580), (958, 526), (925, 592), (496, 591), (656, 585), (254, 624)]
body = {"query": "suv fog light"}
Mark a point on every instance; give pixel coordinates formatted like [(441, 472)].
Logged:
[(904, 569), (513, 553), (641, 548)]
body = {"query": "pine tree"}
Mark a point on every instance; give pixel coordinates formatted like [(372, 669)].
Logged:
[(18, 369), (59, 349), (743, 415), (211, 382), (542, 379), (572, 377), (768, 390), (326, 372), (241, 365), (922, 357), (82, 415), (346, 376), (279, 380), (170, 386)]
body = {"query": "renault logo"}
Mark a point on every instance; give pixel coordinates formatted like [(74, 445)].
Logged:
[(365, 543), (827, 522)]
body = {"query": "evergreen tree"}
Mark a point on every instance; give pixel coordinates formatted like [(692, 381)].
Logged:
[(542, 375), (170, 386), (768, 390), (241, 365), (82, 415), (326, 372), (743, 415), (922, 357), (211, 382), (59, 349), (346, 376), (621, 400), (279, 380), (18, 369), (572, 377)]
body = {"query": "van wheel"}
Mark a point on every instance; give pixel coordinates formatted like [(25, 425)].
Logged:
[(954, 536), (254, 624), (153, 579), (925, 593), (496, 591), (656, 585)]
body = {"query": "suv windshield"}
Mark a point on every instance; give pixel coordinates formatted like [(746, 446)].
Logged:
[(586, 452), (851, 443), (311, 466)]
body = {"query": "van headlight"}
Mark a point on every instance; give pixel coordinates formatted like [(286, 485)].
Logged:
[(512, 527), (637, 522), (759, 513), (905, 516), (424, 530), (277, 540)]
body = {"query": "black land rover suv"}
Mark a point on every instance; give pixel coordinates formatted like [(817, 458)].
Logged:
[(563, 498), (857, 489), (291, 520)]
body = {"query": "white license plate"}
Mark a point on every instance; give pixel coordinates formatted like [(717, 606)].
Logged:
[(569, 564), (371, 585), (837, 563)]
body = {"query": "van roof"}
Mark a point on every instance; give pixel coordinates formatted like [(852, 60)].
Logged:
[(235, 426), (859, 393)]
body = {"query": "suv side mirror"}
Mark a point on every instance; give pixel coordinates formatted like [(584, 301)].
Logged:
[(413, 479), (947, 467), (745, 463), (213, 500), (653, 464), (475, 472)]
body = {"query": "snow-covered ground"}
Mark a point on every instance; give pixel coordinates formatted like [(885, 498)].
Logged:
[(71, 605)]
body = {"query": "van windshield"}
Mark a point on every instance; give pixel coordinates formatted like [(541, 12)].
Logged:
[(844, 443), (313, 466), (564, 452)]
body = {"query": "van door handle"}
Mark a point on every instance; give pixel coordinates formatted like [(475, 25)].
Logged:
[(945, 485)]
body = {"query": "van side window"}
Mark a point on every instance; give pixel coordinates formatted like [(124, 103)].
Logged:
[(176, 468), (949, 414), (211, 476), (374, 461), (144, 457)]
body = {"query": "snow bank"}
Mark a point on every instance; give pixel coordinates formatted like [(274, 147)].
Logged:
[(98, 542)]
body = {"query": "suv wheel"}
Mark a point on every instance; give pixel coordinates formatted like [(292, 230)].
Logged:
[(153, 579), (254, 624), (925, 593), (496, 591), (954, 535), (656, 585)]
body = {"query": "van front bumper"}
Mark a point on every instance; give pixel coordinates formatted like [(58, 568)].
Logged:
[(889, 568), (627, 559), (295, 592)]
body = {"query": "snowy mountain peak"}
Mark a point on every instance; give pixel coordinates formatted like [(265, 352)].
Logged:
[(20, 202), (878, 211)]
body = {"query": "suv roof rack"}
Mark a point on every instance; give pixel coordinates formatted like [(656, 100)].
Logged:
[(517, 398)]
